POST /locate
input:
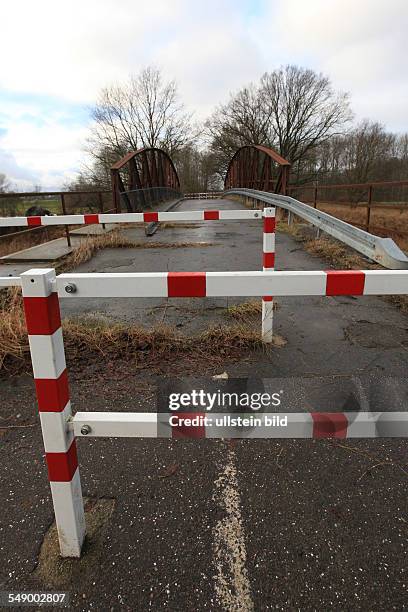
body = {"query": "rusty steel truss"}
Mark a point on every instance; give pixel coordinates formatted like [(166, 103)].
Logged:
[(146, 168), (258, 167)]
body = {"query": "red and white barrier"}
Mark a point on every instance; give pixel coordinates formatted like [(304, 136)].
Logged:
[(268, 214), (41, 306), (268, 264), (41, 292), (233, 284), (143, 217), (252, 426), (230, 284)]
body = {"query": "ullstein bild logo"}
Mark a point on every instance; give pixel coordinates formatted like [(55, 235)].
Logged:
[(221, 399), (228, 420)]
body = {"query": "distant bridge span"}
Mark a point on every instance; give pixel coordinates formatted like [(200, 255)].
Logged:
[(147, 168), (258, 167)]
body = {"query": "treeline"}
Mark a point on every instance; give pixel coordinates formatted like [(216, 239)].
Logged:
[(293, 110)]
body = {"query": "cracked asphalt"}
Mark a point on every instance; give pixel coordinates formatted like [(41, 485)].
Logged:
[(213, 524)]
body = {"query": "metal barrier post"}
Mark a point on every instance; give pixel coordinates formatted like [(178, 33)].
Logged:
[(64, 212), (43, 319), (268, 265)]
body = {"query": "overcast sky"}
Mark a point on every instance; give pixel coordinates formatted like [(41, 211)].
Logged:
[(57, 55)]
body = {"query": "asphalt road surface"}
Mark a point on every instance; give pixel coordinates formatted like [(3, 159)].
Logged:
[(214, 524)]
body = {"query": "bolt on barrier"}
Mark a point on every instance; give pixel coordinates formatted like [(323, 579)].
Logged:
[(268, 215), (41, 293)]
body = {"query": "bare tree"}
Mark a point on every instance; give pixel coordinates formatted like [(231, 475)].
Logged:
[(144, 112), (292, 109), (363, 150), (244, 120), (305, 110), (196, 169)]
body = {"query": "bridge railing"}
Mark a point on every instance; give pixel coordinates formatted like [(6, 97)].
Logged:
[(139, 199), (56, 202), (361, 202)]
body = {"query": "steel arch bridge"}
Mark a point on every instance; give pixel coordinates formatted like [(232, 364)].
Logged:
[(258, 167), (146, 168)]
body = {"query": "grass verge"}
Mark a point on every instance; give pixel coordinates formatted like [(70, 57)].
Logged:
[(334, 252), (88, 339), (89, 247), (115, 240)]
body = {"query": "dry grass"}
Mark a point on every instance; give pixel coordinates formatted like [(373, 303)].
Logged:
[(88, 339), (115, 240), (391, 223), (27, 239), (334, 252), (242, 312), (13, 331), (246, 310), (89, 247)]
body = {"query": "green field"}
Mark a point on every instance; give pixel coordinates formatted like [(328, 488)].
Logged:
[(17, 206)]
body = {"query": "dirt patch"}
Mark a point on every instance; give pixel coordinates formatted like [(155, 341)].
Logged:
[(279, 341), (53, 571), (373, 335)]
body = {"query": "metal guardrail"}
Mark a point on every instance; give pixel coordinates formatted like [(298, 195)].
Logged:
[(382, 250)]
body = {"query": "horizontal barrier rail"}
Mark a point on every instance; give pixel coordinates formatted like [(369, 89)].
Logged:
[(232, 284), (10, 281), (143, 217), (240, 425), (382, 250), (226, 284)]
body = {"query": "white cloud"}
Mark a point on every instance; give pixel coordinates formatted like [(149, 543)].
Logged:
[(48, 153), (362, 46)]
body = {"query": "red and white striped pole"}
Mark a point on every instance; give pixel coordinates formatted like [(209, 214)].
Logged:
[(43, 319), (268, 265)]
